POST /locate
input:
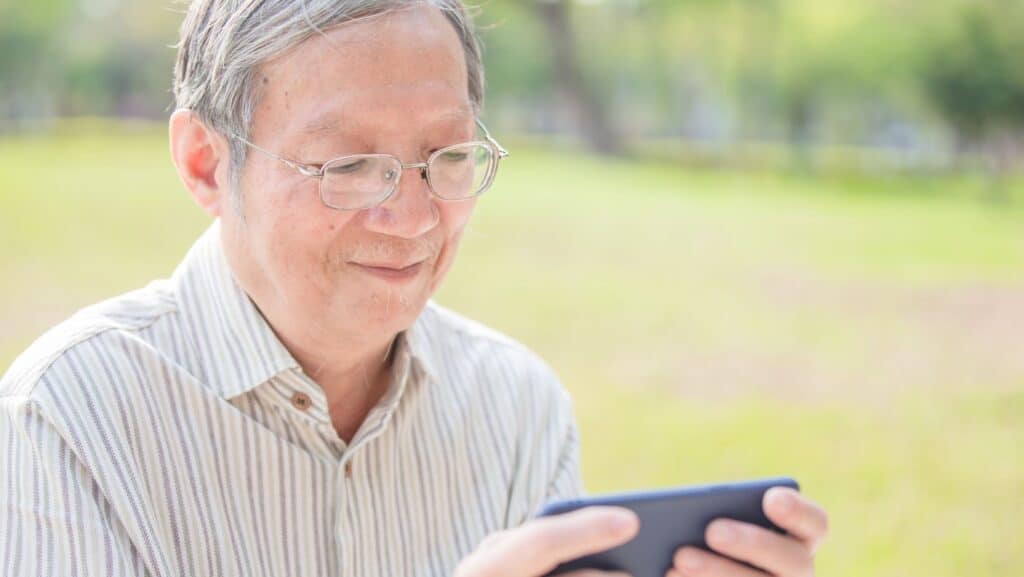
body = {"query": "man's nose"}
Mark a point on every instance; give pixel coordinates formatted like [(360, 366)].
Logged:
[(410, 212)]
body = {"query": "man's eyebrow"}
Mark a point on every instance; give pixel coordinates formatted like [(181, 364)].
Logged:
[(464, 112), (323, 124), (332, 123)]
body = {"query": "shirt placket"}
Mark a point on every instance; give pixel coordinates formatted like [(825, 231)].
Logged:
[(304, 403), (349, 473)]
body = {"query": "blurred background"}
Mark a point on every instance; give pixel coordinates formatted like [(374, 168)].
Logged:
[(754, 237)]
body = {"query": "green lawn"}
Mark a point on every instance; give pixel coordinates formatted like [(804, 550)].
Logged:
[(862, 335)]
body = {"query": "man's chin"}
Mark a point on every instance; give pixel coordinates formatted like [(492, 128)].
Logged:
[(394, 310)]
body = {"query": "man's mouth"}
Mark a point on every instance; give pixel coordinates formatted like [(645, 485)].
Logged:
[(392, 271)]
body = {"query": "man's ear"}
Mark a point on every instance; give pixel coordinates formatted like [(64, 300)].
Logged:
[(201, 157)]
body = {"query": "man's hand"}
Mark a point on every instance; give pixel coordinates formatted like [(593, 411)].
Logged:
[(789, 555), (538, 546)]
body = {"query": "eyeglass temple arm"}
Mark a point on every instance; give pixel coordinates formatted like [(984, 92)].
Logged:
[(502, 153), (304, 169)]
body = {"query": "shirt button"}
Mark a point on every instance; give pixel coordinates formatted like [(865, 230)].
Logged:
[(348, 469), (301, 401)]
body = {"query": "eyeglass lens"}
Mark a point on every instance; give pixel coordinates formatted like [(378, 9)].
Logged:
[(454, 173)]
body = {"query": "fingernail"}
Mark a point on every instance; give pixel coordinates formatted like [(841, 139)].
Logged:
[(690, 561), (623, 520), (785, 502), (723, 533)]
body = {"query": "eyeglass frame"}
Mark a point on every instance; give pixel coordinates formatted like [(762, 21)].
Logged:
[(317, 170)]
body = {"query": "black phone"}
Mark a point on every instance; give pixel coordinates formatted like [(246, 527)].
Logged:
[(670, 519)]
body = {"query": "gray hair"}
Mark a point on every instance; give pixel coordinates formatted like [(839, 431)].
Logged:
[(223, 43)]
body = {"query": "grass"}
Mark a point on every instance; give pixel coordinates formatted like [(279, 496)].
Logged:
[(862, 335)]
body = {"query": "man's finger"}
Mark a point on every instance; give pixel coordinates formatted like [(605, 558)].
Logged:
[(546, 542), (694, 562), (776, 554), (799, 516), (540, 545)]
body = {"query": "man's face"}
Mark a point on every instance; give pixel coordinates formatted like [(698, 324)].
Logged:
[(396, 84)]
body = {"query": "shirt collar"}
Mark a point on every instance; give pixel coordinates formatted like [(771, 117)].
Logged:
[(237, 348), (418, 341)]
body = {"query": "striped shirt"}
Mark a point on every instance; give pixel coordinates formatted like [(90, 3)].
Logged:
[(169, 432)]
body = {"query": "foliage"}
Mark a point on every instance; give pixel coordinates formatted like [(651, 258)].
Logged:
[(825, 72), (975, 73)]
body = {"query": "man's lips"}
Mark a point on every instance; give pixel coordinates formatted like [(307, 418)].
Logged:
[(391, 271)]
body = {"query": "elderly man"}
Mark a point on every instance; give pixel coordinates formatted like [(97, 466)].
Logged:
[(289, 402)]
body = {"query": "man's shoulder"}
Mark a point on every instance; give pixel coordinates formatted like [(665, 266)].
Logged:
[(93, 340)]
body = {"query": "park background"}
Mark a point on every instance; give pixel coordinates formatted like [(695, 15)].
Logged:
[(754, 237)]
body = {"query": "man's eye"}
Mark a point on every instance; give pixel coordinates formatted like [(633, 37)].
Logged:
[(347, 167), (454, 156)]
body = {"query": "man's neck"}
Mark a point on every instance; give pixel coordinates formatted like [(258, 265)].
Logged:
[(354, 375)]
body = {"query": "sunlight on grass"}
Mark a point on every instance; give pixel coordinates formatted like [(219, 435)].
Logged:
[(856, 334)]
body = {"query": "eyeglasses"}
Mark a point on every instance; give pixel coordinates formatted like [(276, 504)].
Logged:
[(360, 181)]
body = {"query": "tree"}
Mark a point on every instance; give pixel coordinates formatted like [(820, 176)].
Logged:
[(30, 60), (975, 80), (584, 101)]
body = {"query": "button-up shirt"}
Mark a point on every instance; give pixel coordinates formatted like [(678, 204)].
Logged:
[(168, 432)]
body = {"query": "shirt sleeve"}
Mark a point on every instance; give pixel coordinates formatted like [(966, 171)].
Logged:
[(55, 519), (548, 463), (566, 483)]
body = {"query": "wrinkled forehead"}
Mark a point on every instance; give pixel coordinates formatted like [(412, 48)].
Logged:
[(403, 66)]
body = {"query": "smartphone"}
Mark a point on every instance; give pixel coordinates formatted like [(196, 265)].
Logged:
[(670, 519)]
